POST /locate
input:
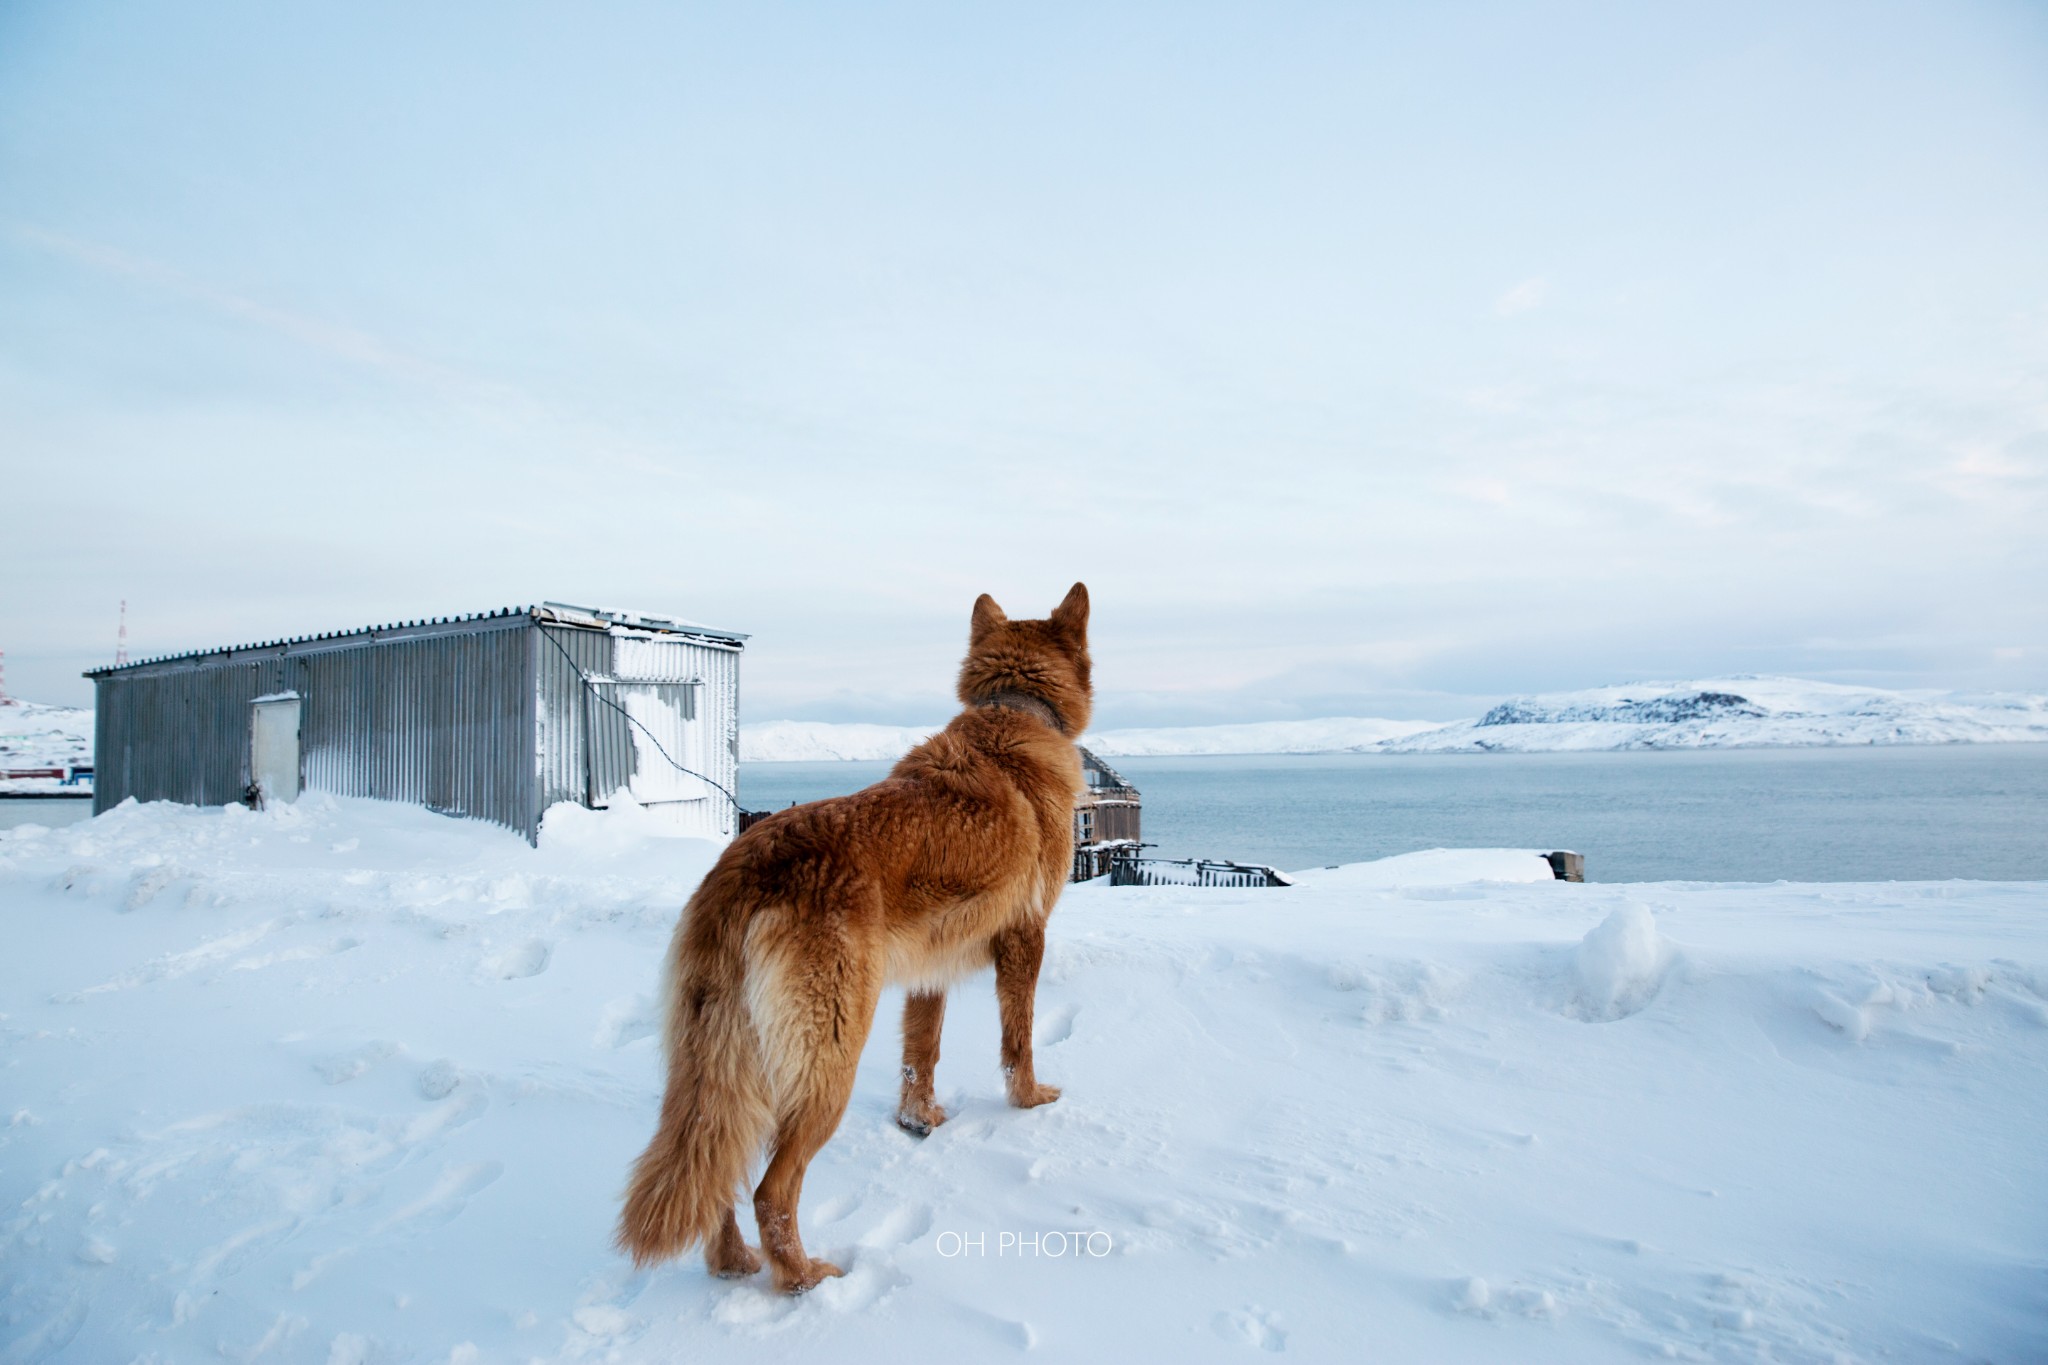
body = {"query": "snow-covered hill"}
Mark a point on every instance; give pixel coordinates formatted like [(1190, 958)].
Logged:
[(33, 735), (347, 1082), (1738, 712), (1712, 713), (812, 741), (1337, 734)]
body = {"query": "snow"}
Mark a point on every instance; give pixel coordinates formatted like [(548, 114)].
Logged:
[(1337, 734), (1436, 867), (811, 741), (350, 1082), (1704, 713), (1619, 964)]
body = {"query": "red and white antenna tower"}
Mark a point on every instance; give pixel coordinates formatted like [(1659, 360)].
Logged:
[(121, 640)]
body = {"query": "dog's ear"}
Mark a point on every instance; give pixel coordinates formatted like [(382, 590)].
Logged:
[(987, 616), (1071, 615)]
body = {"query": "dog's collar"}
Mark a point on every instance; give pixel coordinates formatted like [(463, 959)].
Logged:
[(1025, 702)]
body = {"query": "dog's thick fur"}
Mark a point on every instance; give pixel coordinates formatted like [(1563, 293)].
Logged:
[(948, 865)]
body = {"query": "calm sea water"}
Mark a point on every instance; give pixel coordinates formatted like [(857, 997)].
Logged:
[(1865, 814), (1869, 814), (42, 810)]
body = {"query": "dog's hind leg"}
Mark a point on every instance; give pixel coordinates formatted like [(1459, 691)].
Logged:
[(821, 1033), (923, 1014), (727, 1254), (1017, 953)]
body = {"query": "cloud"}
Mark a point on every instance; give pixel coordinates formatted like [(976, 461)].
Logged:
[(1484, 490), (324, 338), (1523, 298)]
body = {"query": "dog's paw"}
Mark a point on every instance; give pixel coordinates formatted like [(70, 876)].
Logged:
[(1030, 1097), (919, 1118), (734, 1263), (814, 1275)]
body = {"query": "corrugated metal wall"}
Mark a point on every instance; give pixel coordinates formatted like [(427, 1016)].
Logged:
[(445, 720), (180, 736)]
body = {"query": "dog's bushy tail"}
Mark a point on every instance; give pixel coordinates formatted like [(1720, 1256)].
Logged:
[(715, 1113)]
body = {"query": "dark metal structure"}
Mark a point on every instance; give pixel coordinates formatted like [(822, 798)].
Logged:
[(495, 716), (1134, 871)]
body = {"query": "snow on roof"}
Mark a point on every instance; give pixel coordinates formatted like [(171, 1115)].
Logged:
[(554, 613)]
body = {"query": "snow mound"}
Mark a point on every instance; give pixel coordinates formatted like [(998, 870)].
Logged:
[(571, 828), (1619, 964), (1435, 867)]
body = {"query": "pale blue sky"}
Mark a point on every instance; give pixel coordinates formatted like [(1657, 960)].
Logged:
[(1363, 360)]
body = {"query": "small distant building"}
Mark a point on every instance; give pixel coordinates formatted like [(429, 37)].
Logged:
[(1105, 819), (494, 716)]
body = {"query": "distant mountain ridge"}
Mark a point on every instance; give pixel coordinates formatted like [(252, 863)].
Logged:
[(1665, 710), (1738, 712), (1733, 712)]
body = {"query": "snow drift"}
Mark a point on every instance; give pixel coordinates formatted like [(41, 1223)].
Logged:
[(350, 1082)]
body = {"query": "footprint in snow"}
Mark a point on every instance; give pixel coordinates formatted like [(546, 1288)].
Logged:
[(627, 1020), (449, 1196), (439, 1079), (346, 1066), (1018, 1334), (452, 1112), (900, 1227), (1254, 1326), (836, 1208), (1055, 1027), (522, 960), (605, 1321), (148, 884)]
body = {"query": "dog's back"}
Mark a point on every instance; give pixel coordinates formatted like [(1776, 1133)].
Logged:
[(949, 864)]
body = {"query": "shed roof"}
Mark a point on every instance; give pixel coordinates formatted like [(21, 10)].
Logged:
[(552, 613)]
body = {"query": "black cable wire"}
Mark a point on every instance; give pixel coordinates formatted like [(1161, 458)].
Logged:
[(591, 688)]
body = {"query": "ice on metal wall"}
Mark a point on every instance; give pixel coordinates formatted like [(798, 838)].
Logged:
[(665, 728), (641, 656), (653, 718)]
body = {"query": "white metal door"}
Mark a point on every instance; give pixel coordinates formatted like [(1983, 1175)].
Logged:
[(274, 748)]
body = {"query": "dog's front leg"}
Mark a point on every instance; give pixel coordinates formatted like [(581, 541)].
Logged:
[(923, 1014), (1017, 953)]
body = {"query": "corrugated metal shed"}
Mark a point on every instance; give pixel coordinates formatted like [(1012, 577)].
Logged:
[(495, 716)]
